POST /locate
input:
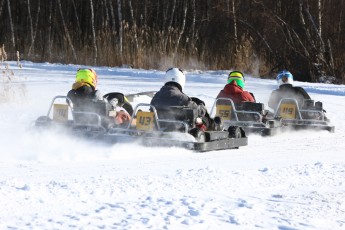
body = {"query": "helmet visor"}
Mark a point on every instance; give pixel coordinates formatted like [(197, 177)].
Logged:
[(239, 82), (238, 77)]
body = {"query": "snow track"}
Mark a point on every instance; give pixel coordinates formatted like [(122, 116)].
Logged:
[(53, 181)]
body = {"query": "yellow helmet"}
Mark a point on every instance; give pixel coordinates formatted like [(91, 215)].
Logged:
[(88, 76)]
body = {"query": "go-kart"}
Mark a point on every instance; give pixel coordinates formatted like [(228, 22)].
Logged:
[(250, 116), (150, 126), (253, 118), (90, 114), (310, 116)]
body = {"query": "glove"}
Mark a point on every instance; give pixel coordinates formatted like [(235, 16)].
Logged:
[(122, 117), (199, 123)]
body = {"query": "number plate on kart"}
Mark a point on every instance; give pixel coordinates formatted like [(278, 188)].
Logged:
[(224, 111), (288, 111), (60, 112), (145, 121)]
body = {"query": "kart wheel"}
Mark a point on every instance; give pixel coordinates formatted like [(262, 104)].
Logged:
[(198, 134), (234, 132)]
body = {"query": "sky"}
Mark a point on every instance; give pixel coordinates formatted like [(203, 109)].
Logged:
[(49, 180)]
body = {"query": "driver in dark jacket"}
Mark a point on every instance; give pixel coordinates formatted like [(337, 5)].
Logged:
[(287, 90), (171, 94), (84, 90), (84, 87)]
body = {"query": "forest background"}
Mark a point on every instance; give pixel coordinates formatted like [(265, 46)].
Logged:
[(256, 37)]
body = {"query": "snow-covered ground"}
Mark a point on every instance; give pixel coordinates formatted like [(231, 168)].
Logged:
[(49, 181)]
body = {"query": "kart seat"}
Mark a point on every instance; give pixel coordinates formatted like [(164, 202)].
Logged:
[(250, 111), (178, 113), (225, 109), (245, 111), (89, 112), (312, 110), (253, 106), (288, 109)]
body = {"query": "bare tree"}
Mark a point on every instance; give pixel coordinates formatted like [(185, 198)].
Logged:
[(66, 31), (169, 26), (77, 18), (106, 22), (303, 35), (134, 24), (235, 24), (30, 22), (185, 8), (316, 42), (340, 22), (172, 14), (319, 6), (11, 23), (93, 33), (49, 44), (192, 29), (1, 5), (119, 11), (34, 31), (112, 14)]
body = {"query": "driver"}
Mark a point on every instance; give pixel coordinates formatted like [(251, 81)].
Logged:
[(171, 94), (287, 90), (84, 90)]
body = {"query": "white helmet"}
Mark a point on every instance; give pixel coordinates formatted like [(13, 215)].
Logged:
[(175, 75)]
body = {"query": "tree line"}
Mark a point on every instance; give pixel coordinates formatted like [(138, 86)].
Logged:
[(259, 37)]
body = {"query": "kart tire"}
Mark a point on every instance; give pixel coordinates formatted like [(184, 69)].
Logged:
[(198, 134), (235, 132)]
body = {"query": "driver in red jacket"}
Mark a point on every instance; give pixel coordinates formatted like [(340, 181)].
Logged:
[(234, 89)]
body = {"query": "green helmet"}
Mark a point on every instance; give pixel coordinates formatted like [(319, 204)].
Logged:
[(238, 77)]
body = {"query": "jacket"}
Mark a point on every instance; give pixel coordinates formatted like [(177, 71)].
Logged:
[(236, 93), (79, 95), (287, 91), (171, 95)]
